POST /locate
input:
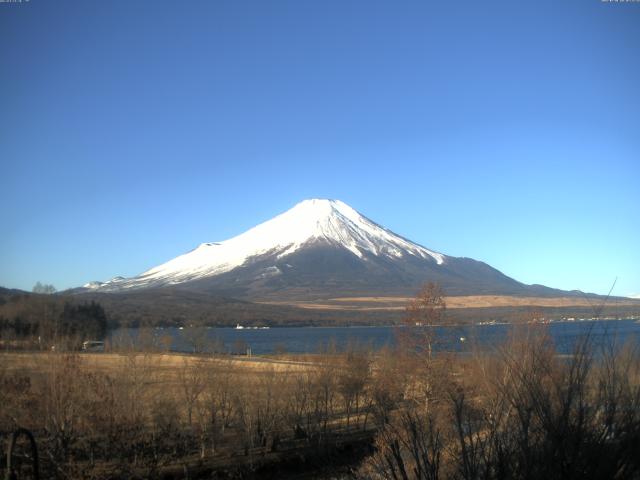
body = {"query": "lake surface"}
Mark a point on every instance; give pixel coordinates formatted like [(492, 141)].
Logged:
[(317, 339)]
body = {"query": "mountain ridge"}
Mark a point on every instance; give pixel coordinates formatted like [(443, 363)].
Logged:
[(320, 248)]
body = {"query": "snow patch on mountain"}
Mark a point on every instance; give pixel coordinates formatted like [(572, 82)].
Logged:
[(311, 221)]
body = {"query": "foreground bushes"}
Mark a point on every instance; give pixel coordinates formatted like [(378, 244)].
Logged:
[(523, 413), (108, 415)]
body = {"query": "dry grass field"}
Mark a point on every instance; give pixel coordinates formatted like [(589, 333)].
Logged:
[(459, 302), (164, 364)]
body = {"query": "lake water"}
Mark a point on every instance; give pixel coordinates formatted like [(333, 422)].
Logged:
[(315, 339)]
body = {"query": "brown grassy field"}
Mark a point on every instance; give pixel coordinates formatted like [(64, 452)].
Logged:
[(459, 302), (166, 364)]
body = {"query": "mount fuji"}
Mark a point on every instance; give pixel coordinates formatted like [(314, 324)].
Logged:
[(318, 249)]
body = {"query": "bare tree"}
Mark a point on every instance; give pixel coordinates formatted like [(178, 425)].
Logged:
[(62, 388), (196, 338), (388, 385), (353, 376), (45, 288), (192, 377), (417, 339), (425, 311), (217, 406)]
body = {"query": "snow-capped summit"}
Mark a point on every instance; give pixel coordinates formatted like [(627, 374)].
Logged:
[(318, 248), (309, 222)]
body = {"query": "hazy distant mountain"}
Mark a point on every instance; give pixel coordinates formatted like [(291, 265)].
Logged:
[(320, 248), (7, 293)]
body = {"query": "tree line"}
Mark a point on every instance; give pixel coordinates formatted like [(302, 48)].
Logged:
[(43, 321)]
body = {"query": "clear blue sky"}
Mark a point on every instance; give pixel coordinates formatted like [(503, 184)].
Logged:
[(509, 132)]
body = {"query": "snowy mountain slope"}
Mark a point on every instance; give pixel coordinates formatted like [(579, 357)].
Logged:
[(309, 222), (319, 248)]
